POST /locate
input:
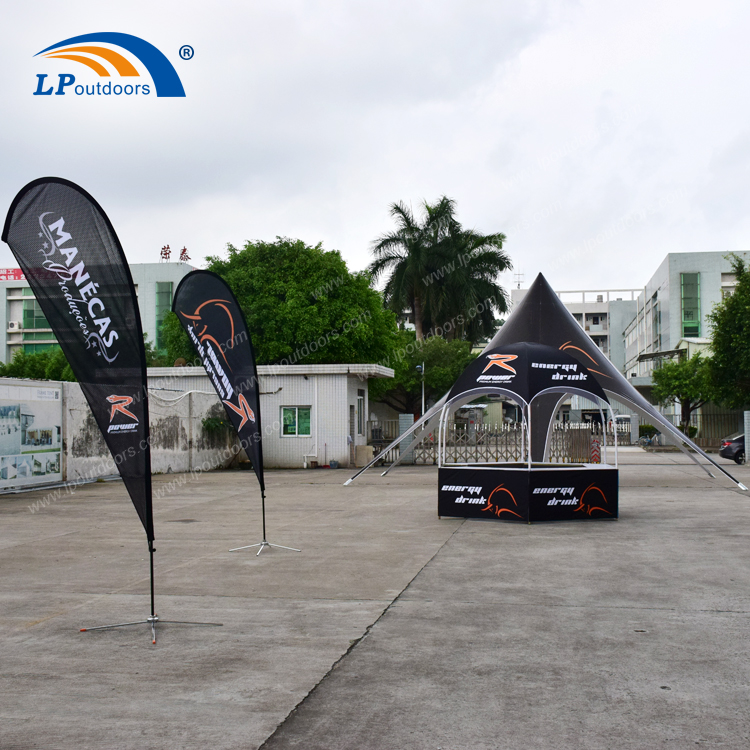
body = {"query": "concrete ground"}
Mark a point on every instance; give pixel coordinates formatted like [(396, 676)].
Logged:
[(391, 629)]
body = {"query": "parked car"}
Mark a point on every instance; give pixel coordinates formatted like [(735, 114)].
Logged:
[(733, 447)]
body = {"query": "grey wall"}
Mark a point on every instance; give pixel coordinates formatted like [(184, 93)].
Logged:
[(178, 441)]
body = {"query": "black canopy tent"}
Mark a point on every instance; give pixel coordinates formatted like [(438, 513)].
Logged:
[(526, 490), (542, 318), (524, 373)]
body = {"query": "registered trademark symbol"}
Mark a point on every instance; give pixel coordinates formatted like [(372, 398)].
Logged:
[(186, 52)]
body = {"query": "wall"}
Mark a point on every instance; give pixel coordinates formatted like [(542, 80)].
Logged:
[(621, 312), (178, 441), (180, 399)]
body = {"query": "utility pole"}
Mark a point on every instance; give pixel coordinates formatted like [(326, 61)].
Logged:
[(420, 369)]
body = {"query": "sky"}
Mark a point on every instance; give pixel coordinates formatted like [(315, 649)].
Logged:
[(597, 136)]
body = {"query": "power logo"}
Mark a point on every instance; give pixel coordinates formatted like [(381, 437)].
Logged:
[(119, 406), (142, 67), (501, 360)]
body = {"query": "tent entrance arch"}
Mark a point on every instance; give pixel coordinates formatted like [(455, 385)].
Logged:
[(527, 490)]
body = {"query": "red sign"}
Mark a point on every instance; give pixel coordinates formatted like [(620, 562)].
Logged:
[(11, 274)]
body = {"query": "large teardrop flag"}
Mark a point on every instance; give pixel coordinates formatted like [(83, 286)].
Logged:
[(73, 261)]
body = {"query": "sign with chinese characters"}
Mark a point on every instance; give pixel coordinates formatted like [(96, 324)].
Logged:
[(11, 274)]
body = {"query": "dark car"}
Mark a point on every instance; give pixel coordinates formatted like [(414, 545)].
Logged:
[(733, 447)]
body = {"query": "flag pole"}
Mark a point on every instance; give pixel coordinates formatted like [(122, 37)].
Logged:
[(265, 543)]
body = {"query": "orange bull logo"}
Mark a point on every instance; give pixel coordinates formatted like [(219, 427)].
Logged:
[(589, 508), (497, 508), (200, 326)]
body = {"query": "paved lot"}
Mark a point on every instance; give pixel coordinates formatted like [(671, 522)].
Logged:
[(391, 629)]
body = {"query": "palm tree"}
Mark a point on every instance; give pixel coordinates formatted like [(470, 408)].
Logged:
[(469, 295), (442, 272)]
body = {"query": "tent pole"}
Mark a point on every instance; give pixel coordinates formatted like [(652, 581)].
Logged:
[(614, 427), (604, 432), (678, 436)]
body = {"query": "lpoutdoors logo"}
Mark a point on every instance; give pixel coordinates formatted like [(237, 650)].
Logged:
[(88, 50)]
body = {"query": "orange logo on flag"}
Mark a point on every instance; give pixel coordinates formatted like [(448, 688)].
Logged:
[(118, 404), (243, 410)]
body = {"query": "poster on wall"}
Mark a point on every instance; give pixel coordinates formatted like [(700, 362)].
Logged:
[(30, 435)]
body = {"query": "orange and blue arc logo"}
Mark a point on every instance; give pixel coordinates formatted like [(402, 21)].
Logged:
[(102, 53)]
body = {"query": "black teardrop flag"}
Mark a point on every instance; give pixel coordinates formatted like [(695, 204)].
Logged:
[(212, 317), (75, 266)]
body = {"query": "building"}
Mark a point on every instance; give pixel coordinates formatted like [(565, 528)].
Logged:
[(672, 308), (310, 413), (603, 314), (24, 327)]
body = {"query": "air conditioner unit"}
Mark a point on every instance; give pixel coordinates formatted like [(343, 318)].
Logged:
[(14, 325)]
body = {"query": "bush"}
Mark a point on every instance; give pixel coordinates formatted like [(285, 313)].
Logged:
[(646, 430), (47, 365), (215, 425)]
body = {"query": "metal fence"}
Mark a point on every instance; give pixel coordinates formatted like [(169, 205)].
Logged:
[(707, 430), (495, 443)]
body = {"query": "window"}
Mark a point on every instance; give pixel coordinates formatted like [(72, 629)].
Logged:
[(295, 421), (360, 411), (691, 304), (163, 306), (33, 317), (36, 348)]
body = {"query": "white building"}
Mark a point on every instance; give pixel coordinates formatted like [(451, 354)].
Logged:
[(23, 326), (673, 306), (309, 413)]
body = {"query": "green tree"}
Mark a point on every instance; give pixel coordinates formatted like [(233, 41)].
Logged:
[(687, 382), (445, 274), (153, 357), (302, 305), (444, 361), (730, 342), (177, 342), (47, 365)]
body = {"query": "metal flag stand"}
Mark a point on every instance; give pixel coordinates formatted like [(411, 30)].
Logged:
[(265, 543), (153, 619)]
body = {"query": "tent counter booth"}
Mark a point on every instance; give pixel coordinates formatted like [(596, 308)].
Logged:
[(538, 355), (528, 490)]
